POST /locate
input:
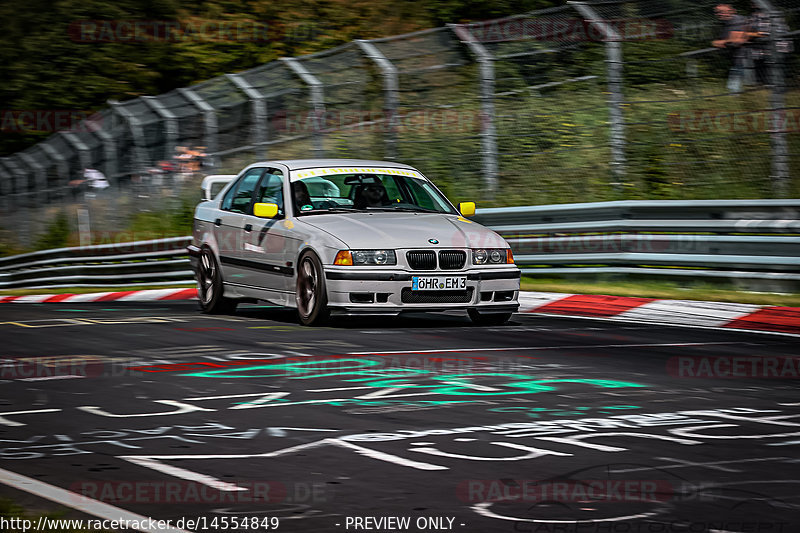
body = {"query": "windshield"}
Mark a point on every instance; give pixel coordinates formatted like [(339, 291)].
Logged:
[(318, 191)]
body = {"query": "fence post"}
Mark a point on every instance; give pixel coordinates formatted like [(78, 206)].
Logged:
[(19, 185), (170, 124), (209, 120), (780, 174), (613, 46), (317, 101), (259, 134), (84, 154), (391, 86), (488, 129), (6, 185), (38, 178), (140, 157), (37, 182), (110, 152), (61, 165), (20, 202)]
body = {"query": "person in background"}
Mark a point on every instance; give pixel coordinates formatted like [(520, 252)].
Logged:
[(732, 38), (183, 161), (95, 180), (762, 28)]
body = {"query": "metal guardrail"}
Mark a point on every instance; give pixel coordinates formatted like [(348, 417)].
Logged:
[(158, 261), (742, 239), (754, 239)]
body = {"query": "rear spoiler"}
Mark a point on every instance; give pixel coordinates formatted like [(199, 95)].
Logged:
[(210, 181)]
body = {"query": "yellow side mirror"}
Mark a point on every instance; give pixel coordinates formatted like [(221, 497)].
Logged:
[(265, 210), (467, 208)]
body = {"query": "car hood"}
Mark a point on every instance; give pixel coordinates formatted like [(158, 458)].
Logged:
[(405, 230)]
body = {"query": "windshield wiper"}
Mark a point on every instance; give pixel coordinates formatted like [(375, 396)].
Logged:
[(324, 210), (406, 209)]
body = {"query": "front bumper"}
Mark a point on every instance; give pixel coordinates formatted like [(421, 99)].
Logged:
[(360, 290)]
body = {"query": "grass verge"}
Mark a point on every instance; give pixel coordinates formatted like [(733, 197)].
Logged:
[(15, 515)]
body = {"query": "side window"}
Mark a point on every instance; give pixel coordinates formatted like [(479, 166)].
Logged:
[(238, 199), (270, 190)]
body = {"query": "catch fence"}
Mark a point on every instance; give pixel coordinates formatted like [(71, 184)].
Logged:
[(591, 101)]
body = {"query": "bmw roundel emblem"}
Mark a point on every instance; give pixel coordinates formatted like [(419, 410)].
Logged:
[(433, 241)]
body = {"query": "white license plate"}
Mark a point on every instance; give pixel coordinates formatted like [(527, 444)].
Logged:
[(438, 283)]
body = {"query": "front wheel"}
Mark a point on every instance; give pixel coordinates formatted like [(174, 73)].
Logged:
[(311, 295), (209, 286), (488, 319)]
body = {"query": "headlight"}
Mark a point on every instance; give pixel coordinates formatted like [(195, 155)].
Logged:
[(494, 256), (367, 257)]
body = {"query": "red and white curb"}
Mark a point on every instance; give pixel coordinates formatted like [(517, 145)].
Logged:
[(150, 295), (674, 312), (623, 308)]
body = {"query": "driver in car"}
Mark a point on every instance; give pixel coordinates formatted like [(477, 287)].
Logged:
[(371, 195)]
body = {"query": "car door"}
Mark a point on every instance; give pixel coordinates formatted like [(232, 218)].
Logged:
[(235, 207), (266, 244)]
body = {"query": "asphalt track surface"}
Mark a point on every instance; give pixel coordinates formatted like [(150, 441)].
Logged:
[(545, 424)]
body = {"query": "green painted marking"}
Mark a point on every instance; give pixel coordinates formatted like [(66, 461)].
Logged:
[(408, 381)]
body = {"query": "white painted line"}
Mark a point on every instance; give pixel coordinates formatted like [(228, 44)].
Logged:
[(483, 510), (337, 389), (528, 348), (7, 422), (78, 502), (715, 465), (175, 471), (689, 312), (47, 378), (229, 396)]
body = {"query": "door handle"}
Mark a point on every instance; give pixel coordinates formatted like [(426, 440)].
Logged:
[(217, 222), (248, 227)]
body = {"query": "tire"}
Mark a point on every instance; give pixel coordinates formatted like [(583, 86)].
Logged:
[(209, 285), (311, 295), (488, 319)]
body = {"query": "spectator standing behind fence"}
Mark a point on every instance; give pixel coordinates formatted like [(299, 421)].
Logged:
[(96, 180), (732, 38), (762, 29), (183, 160)]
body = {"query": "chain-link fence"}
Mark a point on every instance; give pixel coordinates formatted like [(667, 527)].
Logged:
[(585, 102)]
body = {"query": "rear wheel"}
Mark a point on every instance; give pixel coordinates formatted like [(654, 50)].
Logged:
[(209, 285), (488, 319), (311, 295)]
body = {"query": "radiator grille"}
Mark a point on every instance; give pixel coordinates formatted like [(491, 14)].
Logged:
[(436, 297), (452, 259), (421, 259)]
